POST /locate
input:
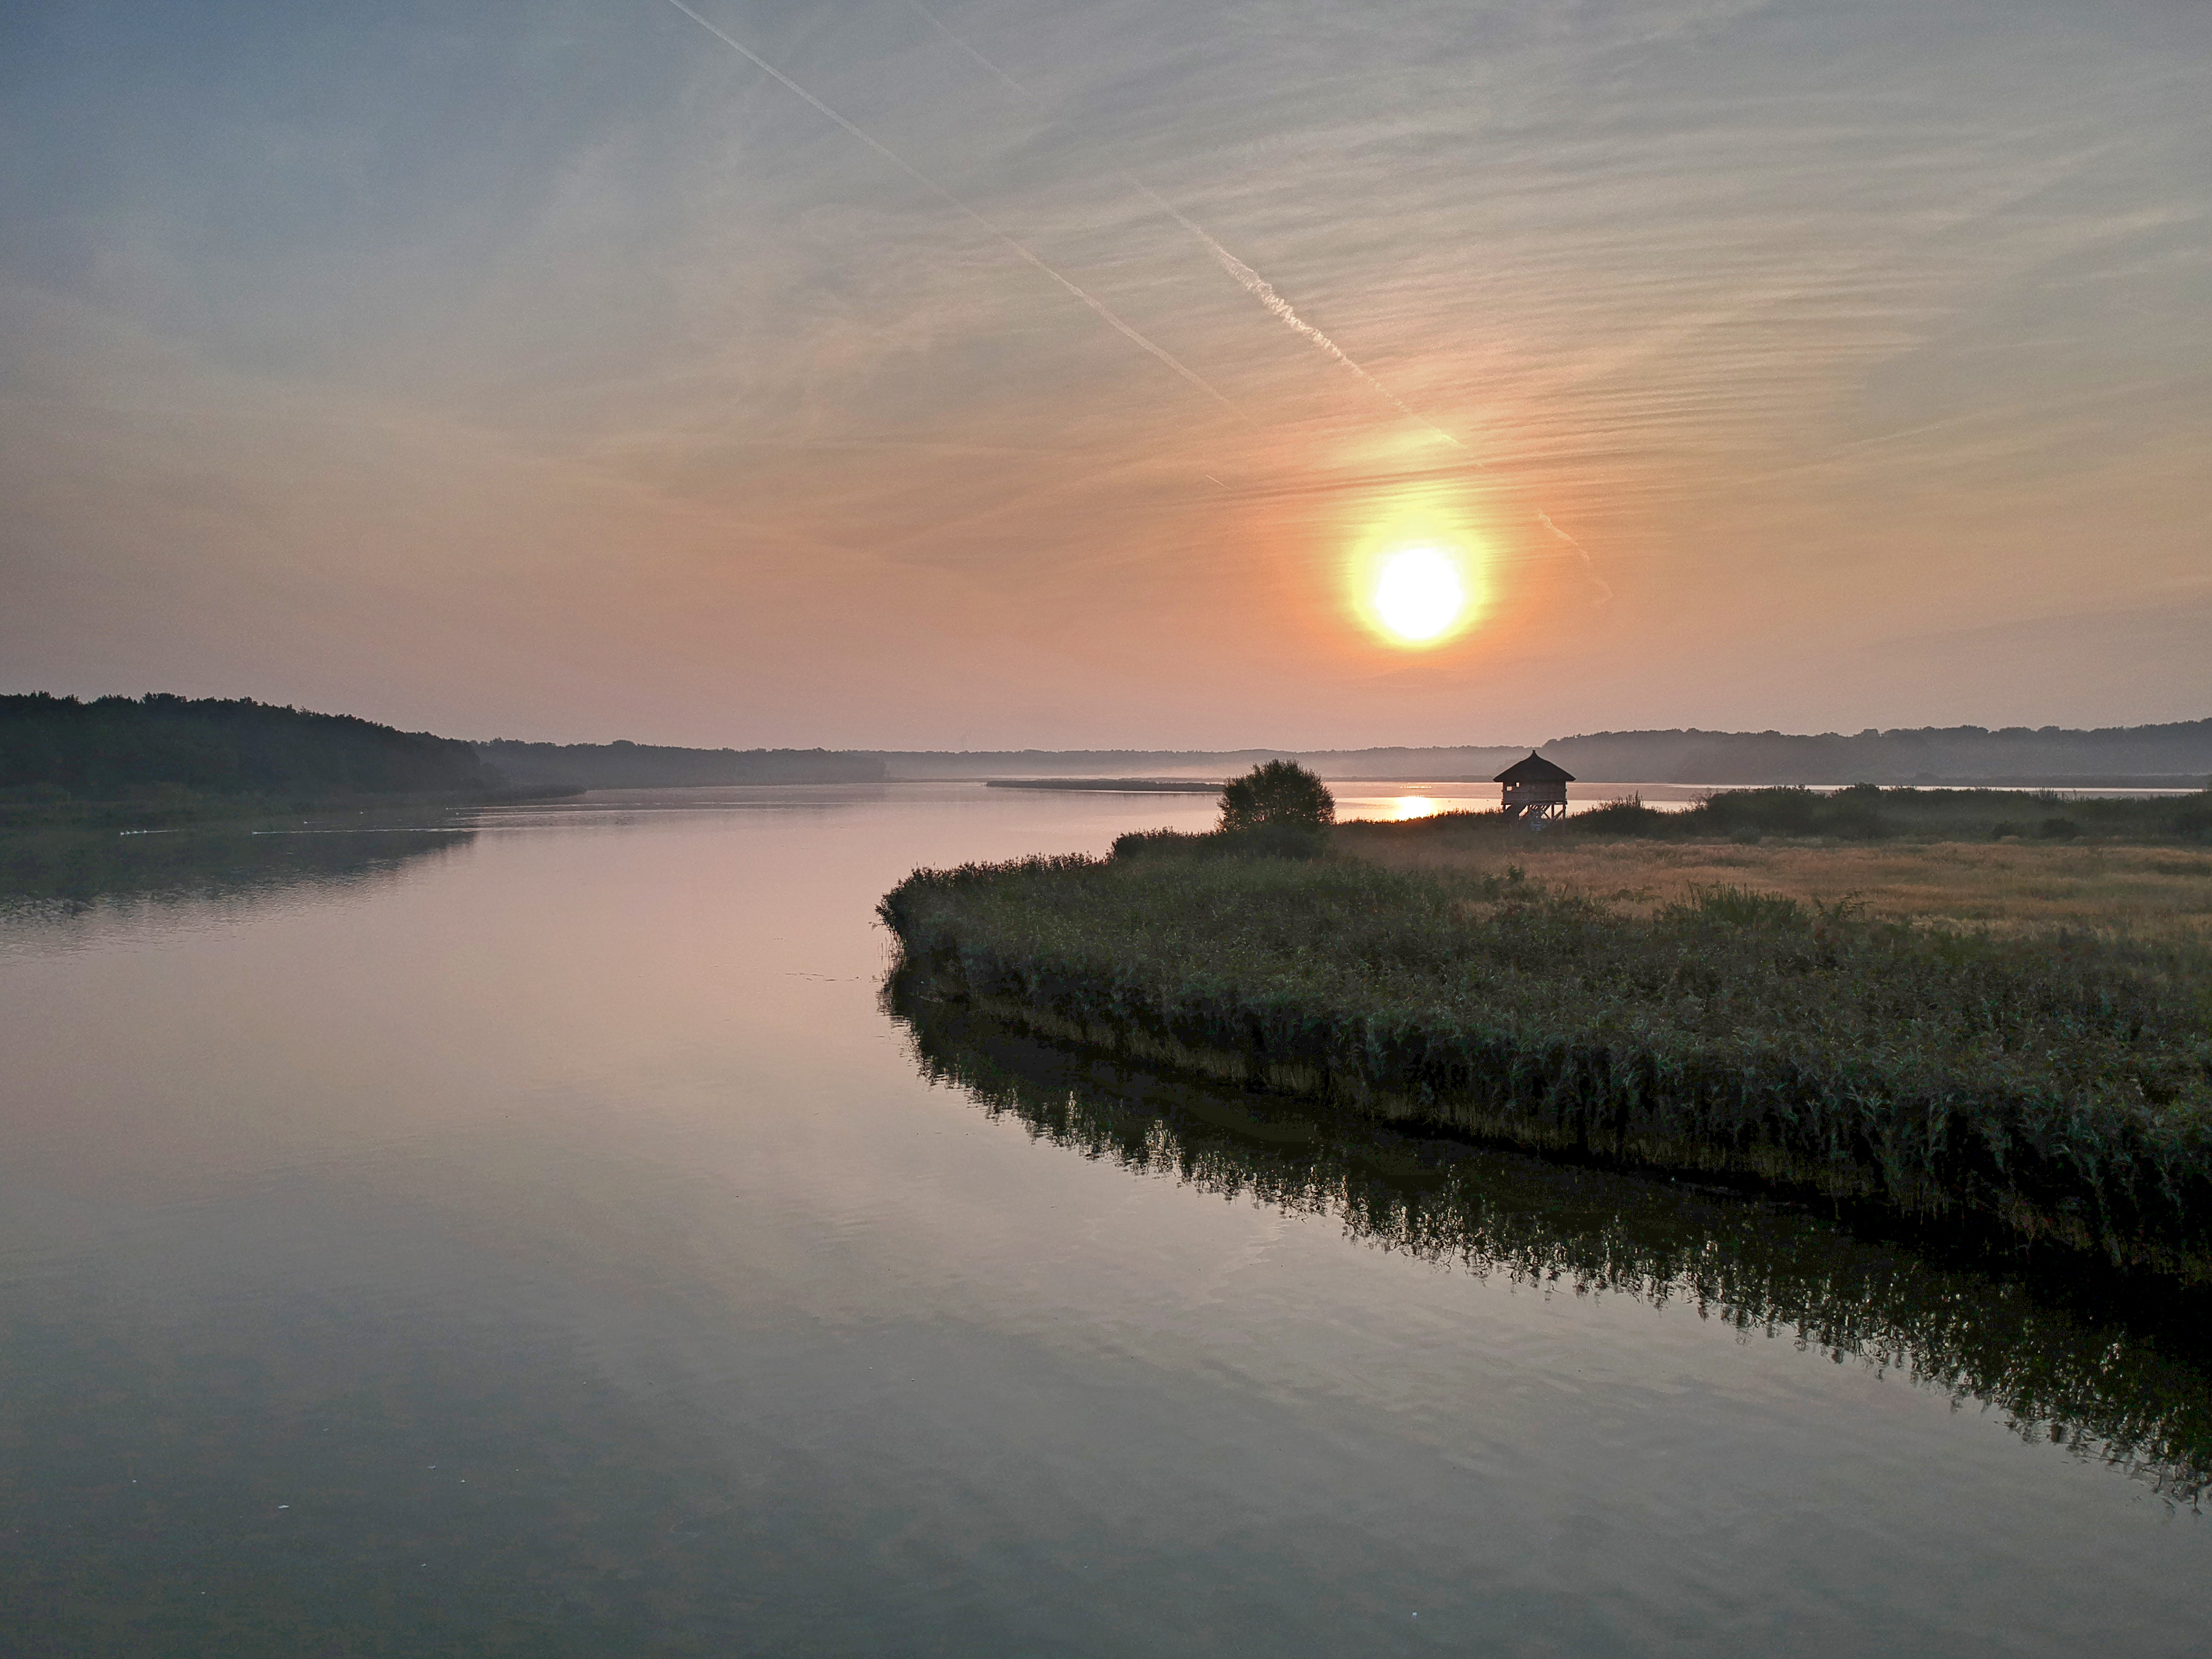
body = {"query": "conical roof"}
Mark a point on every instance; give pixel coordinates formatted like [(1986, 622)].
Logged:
[(1534, 770)]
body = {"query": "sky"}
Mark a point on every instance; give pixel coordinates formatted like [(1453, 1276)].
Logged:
[(1006, 373)]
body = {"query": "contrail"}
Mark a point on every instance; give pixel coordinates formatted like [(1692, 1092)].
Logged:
[(1590, 565), (937, 24), (1247, 278), (1099, 305), (1264, 291)]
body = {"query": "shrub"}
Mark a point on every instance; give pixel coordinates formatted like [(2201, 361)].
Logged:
[(1848, 815), (1625, 816), (1737, 907), (2193, 823), (1280, 791)]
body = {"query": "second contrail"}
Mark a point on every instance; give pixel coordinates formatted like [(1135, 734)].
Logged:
[(1104, 312), (1266, 293)]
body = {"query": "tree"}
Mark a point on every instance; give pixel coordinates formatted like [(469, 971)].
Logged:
[(1280, 791)]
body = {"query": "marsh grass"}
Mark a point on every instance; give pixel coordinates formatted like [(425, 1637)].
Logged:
[(1867, 812), (2055, 1088), (1864, 813), (2117, 1390), (2150, 893)]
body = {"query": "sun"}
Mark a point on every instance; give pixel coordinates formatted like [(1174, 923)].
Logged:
[(1419, 593), (1417, 571)]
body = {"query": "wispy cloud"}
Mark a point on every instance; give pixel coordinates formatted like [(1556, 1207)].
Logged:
[(1777, 319), (1105, 312), (1272, 300)]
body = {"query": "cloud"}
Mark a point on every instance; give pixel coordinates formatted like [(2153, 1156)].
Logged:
[(641, 382), (1104, 312)]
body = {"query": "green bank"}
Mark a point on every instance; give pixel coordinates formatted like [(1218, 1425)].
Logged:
[(2115, 1376), (1866, 812), (2051, 1093)]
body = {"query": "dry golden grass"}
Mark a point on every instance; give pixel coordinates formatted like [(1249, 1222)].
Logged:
[(2152, 893)]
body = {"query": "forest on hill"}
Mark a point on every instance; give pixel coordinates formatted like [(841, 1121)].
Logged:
[(118, 748), (121, 748), (2179, 752), (624, 765)]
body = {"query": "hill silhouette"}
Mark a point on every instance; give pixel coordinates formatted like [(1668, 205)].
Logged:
[(625, 765), (121, 748)]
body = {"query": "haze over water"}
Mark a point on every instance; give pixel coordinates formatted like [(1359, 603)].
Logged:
[(548, 1243)]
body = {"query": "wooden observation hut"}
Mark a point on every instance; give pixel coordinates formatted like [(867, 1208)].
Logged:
[(1535, 790)]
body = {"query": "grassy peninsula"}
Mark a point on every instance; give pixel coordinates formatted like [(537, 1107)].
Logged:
[(2044, 1086), (1974, 860)]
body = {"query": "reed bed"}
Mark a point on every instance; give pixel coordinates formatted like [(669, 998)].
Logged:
[(2054, 1091), (1867, 812), (2149, 893), (2130, 1390)]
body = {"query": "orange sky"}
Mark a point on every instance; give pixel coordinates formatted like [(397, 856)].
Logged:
[(565, 374)]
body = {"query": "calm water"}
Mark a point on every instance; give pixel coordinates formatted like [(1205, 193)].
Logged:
[(545, 1242)]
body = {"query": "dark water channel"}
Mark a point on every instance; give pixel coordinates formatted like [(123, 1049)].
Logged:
[(546, 1241)]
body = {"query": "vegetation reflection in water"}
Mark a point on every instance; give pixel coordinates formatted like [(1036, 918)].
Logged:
[(2111, 1391), (61, 873)]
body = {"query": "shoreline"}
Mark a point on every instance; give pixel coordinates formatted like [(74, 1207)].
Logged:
[(1768, 1046), (1840, 1274)]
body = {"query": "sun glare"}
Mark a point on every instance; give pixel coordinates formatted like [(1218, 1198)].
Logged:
[(1416, 572), (1419, 593)]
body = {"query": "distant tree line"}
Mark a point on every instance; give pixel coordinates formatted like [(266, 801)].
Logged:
[(623, 765), (114, 748), (2012, 754), (2181, 751)]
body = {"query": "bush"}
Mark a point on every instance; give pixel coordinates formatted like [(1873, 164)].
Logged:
[(1627, 816), (1278, 792), (1848, 815), (1736, 907)]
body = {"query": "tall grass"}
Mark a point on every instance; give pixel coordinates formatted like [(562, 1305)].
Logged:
[(2111, 1387), (2058, 1090), (1866, 812)]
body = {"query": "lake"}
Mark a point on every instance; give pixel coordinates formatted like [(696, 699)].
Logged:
[(543, 1239)]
